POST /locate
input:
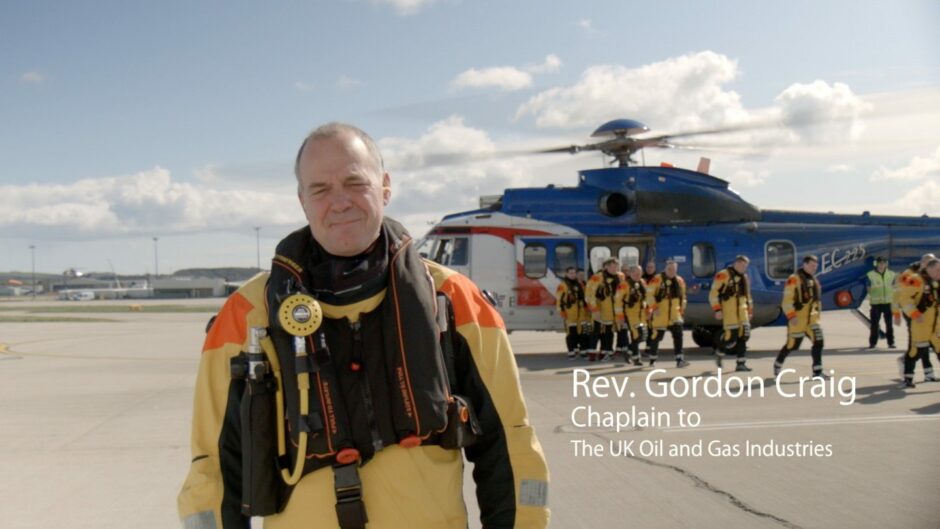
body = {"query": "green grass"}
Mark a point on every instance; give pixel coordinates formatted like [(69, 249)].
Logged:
[(110, 309), (51, 319)]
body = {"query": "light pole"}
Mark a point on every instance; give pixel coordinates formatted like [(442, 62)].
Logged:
[(156, 262), (32, 258), (258, 244)]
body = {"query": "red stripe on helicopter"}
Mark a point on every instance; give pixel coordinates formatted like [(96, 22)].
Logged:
[(531, 292), (507, 234)]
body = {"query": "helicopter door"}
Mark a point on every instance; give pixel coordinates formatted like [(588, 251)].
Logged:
[(540, 265)]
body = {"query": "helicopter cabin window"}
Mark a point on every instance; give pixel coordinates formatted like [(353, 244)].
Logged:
[(598, 255), (629, 255), (703, 259), (452, 252), (565, 255), (780, 257), (534, 260)]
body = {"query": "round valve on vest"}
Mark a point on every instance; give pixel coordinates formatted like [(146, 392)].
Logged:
[(347, 455), (410, 442), (300, 315)]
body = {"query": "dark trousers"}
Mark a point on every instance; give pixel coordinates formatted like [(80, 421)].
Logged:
[(573, 338), (657, 336), (910, 362), (734, 341), (877, 312), (604, 333)]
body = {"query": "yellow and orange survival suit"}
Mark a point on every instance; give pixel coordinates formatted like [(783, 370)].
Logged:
[(569, 300), (730, 298), (921, 303), (359, 431), (802, 305), (599, 295), (666, 297), (630, 304)]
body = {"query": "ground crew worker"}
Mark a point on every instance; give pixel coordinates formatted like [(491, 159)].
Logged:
[(570, 303), (630, 304), (802, 305), (922, 306), (318, 405), (665, 295), (880, 284), (730, 298), (599, 295)]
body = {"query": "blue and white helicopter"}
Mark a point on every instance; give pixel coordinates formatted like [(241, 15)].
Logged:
[(518, 244)]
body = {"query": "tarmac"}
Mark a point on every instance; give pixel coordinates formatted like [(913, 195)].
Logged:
[(96, 419)]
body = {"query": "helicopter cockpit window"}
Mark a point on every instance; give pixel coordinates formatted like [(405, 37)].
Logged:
[(534, 260), (703, 259), (597, 256), (629, 255), (451, 252), (565, 255), (780, 257)]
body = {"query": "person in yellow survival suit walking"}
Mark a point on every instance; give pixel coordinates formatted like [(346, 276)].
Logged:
[(802, 305), (922, 306), (630, 305), (730, 298), (599, 295), (665, 295), (316, 405), (569, 300)]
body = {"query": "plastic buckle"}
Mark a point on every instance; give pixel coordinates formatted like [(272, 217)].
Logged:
[(350, 511)]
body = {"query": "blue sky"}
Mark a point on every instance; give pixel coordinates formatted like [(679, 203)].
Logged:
[(120, 121)]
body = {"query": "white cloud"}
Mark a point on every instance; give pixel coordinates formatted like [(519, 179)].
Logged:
[(422, 191), (588, 26), (821, 112), (302, 86), (920, 168), (923, 199), (506, 78), (347, 83), (146, 202), (405, 7), (552, 64), (33, 77), (748, 177), (840, 168), (684, 92)]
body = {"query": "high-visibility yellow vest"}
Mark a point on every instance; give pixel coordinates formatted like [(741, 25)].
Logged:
[(881, 287)]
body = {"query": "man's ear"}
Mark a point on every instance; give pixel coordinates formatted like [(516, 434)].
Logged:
[(386, 188)]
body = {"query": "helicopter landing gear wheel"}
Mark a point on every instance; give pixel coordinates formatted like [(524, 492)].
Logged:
[(705, 336)]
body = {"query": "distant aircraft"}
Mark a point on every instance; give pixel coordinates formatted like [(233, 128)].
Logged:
[(518, 244)]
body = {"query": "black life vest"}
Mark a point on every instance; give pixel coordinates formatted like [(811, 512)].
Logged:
[(637, 293), (669, 287), (373, 383), (737, 286), (575, 294)]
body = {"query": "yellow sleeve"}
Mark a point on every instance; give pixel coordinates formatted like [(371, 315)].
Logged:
[(510, 472), (589, 292), (651, 291), (789, 293), (203, 499), (717, 284)]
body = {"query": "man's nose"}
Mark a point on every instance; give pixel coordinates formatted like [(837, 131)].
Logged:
[(340, 200)]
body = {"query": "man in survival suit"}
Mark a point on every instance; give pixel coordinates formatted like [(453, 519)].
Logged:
[(921, 299), (336, 391), (569, 300), (630, 302), (730, 298), (802, 305), (665, 294), (599, 295)]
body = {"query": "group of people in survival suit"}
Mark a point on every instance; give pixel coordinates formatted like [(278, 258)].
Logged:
[(640, 306), (622, 304)]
